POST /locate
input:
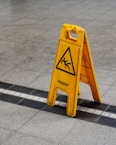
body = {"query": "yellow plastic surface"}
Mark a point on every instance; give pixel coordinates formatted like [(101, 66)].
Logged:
[(73, 64)]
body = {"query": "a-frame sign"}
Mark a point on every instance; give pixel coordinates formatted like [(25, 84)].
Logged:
[(73, 64)]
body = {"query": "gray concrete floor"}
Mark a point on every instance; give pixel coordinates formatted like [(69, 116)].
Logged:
[(29, 33)]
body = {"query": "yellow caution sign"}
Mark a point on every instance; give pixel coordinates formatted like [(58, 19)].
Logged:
[(73, 64)]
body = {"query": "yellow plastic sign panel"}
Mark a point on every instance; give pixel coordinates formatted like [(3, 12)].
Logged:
[(73, 64)]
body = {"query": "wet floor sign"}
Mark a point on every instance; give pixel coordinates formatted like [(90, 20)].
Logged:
[(73, 64)]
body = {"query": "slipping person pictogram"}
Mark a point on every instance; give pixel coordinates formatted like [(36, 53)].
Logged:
[(66, 63)]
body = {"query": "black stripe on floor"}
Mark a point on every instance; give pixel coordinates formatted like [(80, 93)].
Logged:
[(58, 109)]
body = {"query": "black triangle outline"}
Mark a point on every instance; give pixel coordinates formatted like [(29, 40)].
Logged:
[(68, 49)]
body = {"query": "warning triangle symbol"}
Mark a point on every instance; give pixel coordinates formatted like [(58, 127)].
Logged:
[(65, 63)]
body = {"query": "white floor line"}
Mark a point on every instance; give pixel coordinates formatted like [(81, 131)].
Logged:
[(63, 104)]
